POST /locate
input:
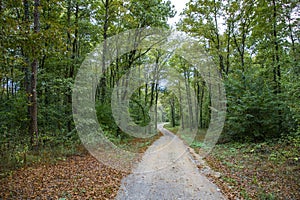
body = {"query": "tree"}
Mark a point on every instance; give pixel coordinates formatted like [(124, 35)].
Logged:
[(257, 47), (202, 19), (34, 71)]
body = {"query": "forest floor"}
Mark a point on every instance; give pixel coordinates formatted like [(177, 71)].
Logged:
[(78, 177), (264, 171), (268, 170), (83, 177), (69, 177)]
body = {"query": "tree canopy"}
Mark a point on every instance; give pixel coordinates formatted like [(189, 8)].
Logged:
[(255, 45)]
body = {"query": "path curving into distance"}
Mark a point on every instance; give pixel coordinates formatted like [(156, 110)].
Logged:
[(167, 172)]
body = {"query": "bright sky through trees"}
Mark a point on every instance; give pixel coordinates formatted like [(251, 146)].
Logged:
[(179, 6)]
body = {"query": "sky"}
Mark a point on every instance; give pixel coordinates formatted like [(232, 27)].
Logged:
[(179, 6)]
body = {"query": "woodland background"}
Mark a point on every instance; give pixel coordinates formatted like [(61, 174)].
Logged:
[(255, 45)]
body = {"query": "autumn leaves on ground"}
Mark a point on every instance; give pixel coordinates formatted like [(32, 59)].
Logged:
[(261, 171), (258, 171), (78, 176)]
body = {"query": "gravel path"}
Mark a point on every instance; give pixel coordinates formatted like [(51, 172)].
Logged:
[(167, 171)]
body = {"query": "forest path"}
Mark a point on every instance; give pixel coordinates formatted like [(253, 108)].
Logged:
[(167, 172)]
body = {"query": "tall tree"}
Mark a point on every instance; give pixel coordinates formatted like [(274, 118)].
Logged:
[(202, 18), (258, 47), (34, 71)]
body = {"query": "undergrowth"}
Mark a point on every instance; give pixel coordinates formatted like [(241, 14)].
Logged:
[(266, 170), (52, 152)]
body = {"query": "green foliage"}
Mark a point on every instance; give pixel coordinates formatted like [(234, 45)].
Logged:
[(105, 118), (252, 108), (68, 31), (257, 55), (13, 116), (149, 13), (138, 111), (197, 144), (266, 196), (256, 51), (171, 128)]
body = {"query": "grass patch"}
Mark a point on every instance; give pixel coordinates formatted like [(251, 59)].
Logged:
[(194, 140), (171, 128)]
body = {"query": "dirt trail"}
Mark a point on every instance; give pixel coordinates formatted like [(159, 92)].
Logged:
[(167, 172)]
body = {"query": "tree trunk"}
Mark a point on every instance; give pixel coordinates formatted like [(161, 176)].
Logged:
[(180, 106), (228, 48), (201, 105), (156, 102), (190, 118), (221, 59), (27, 70), (293, 42), (277, 70), (34, 71), (197, 99), (105, 35), (75, 55), (172, 104)]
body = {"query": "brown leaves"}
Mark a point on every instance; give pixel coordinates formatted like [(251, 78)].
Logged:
[(249, 174), (76, 178)]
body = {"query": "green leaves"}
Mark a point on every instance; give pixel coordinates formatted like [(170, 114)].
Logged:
[(254, 47)]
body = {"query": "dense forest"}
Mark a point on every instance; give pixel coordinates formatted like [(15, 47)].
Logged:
[(43, 43), (257, 50), (254, 44)]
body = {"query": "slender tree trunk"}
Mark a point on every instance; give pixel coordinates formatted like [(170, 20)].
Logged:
[(27, 79), (241, 48), (201, 105), (221, 59), (105, 36), (152, 93), (74, 57), (69, 24), (197, 100), (277, 67), (180, 106), (75, 50), (228, 47), (156, 102), (157, 70), (7, 87), (146, 91), (293, 42), (12, 81), (2, 54), (190, 118), (172, 105), (34, 71), (277, 59)]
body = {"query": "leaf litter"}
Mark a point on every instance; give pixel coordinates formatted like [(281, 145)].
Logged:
[(78, 177)]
